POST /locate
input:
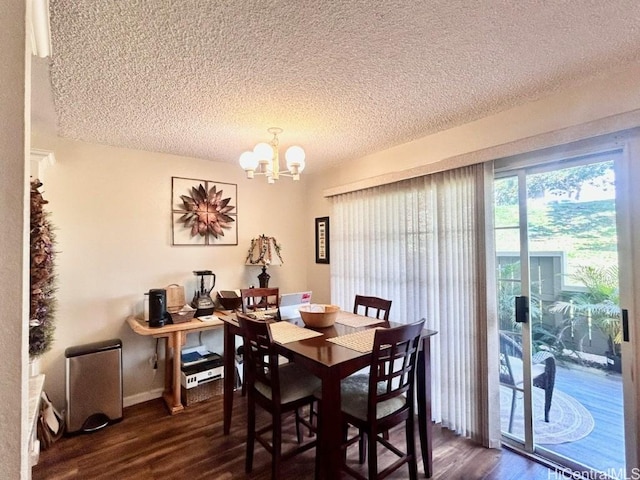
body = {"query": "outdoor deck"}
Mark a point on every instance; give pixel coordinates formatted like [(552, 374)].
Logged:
[(601, 394)]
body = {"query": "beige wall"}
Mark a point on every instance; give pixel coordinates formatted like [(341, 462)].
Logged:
[(13, 251), (111, 209), (606, 104)]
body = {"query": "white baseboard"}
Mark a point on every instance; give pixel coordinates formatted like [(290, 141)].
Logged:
[(141, 397)]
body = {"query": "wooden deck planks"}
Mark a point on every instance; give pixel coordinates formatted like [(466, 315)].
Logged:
[(601, 394)]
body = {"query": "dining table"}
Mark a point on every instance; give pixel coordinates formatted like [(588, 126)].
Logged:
[(331, 361)]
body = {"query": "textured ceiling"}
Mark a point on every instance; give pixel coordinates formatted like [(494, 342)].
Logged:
[(342, 78)]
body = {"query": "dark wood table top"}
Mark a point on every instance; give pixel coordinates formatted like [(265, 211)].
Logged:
[(318, 350)]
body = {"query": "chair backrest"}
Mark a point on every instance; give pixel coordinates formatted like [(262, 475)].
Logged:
[(255, 299), (393, 364), (509, 349), (260, 357), (379, 306)]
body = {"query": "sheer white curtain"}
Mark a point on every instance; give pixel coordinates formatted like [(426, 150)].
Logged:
[(422, 243)]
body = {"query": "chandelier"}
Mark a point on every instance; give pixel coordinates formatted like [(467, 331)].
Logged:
[(265, 159)]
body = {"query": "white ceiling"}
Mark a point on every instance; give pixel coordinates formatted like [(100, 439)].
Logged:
[(343, 79)]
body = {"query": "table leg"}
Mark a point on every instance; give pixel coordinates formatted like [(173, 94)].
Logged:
[(172, 395), (229, 377), (330, 426), (424, 405)]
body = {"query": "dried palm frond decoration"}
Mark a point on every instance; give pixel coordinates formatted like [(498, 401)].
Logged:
[(203, 212), (43, 278), (206, 211)]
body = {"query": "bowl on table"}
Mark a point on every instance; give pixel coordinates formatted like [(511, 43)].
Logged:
[(319, 316)]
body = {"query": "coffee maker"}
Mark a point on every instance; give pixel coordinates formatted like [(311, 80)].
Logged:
[(158, 315)]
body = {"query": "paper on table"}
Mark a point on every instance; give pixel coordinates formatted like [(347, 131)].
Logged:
[(285, 332), (209, 319)]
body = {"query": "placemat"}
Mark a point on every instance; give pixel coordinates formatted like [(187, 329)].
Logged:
[(361, 341), (285, 332), (359, 321)]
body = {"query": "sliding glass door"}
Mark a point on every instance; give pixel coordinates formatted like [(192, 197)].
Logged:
[(560, 315)]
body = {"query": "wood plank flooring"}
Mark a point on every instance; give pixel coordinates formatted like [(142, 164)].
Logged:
[(150, 444), (601, 394)]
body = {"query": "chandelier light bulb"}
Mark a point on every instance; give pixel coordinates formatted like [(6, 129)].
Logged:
[(295, 158), (263, 152), (249, 163)]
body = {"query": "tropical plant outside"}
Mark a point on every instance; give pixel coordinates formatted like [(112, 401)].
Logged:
[(600, 303)]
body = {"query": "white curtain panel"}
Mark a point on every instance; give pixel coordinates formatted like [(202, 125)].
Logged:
[(422, 244)]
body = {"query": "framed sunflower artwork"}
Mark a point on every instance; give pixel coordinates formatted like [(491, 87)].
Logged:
[(203, 212)]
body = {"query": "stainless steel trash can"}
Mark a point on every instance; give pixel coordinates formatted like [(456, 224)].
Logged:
[(93, 385)]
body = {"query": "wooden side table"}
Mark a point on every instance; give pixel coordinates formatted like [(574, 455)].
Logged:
[(174, 335)]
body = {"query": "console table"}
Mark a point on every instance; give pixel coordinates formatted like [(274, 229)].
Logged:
[(174, 335)]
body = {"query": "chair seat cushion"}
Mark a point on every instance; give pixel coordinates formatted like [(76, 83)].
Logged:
[(537, 369), (295, 383), (354, 391)]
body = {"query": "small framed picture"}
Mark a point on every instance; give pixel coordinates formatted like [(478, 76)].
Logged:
[(322, 240)]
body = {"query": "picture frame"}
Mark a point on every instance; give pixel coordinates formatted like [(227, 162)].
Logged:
[(194, 222), (322, 240)]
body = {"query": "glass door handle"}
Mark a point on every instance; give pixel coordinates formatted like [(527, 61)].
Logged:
[(522, 309), (625, 325)]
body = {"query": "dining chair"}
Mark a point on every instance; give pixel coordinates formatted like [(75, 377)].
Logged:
[(379, 306), (261, 302), (543, 372), (277, 388), (385, 400)]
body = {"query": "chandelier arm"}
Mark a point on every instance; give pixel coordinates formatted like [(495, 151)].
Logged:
[(275, 161)]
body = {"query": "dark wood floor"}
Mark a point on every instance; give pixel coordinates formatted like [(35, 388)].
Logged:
[(151, 444)]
